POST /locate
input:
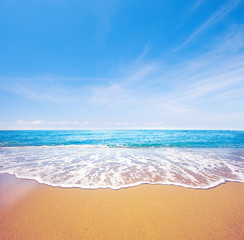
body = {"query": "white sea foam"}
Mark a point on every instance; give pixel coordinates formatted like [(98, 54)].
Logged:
[(105, 167)]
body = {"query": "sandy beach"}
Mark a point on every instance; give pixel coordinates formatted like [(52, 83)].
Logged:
[(36, 211)]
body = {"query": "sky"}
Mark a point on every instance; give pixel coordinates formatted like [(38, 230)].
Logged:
[(122, 64)]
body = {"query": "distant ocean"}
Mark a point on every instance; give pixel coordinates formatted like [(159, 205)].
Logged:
[(123, 158)]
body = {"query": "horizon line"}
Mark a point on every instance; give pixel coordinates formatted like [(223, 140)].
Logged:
[(82, 129)]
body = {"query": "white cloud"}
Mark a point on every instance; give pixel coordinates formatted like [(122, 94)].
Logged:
[(48, 124), (104, 16), (220, 13), (113, 94), (37, 89), (232, 41), (190, 93), (185, 91), (195, 6), (36, 122)]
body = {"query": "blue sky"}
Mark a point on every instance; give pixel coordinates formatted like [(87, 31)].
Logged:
[(122, 64)]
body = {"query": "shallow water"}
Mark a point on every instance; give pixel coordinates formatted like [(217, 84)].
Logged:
[(125, 158), (126, 138)]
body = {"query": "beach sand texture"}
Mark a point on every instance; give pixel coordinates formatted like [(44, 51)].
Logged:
[(36, 211)]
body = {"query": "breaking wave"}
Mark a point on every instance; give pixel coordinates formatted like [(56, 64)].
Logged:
[(96, 166)]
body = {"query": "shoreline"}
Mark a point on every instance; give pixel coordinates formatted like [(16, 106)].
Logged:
[(63, 186), (125, 168), (38, 211)]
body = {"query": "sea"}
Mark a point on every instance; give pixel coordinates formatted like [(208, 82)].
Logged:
[(93, 159)]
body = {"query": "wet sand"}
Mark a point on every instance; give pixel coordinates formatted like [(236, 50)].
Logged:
[(29, 210)]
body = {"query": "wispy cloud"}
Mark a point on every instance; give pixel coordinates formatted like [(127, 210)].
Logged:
[(156, 94), (193, 89), (104, 16), (110, 95), (53, 89), (41, 124), (36, 89), (55, 123), (195, 6), (36, 122), (117, 91), (231, 42), (219, 14)]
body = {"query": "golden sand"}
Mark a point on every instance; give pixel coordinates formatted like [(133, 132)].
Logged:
[(142, 212)]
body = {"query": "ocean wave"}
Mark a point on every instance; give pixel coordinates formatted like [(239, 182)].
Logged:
[(125, 138), (98, 166)]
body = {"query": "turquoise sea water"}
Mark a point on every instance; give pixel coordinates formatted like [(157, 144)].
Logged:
[(123, 158), (126, 138)]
